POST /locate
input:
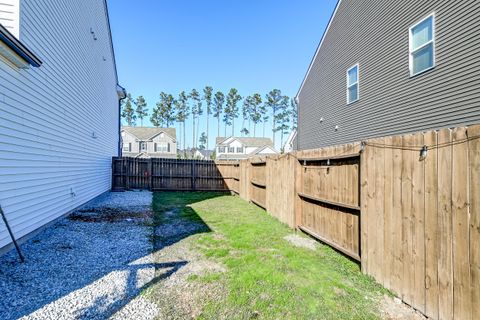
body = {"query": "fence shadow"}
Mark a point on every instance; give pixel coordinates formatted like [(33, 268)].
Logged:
[(171, 210)]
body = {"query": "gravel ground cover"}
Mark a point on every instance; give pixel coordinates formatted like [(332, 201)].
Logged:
[(87, 266)]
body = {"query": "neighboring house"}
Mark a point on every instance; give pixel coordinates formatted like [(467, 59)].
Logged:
[(237, 148), (59, 110), (198, 154), (203, 154), (290, 143), (143, 142), (388, 68)]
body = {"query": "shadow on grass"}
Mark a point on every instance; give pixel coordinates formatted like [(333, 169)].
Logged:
[(171, 211)]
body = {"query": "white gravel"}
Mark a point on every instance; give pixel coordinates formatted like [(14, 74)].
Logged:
[(81, 270)]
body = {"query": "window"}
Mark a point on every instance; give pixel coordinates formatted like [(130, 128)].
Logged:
[(239, 149), (422, 46), (162, 147), (352, 84), (231, 149), (127, 147), (221, 149), (143, 146)]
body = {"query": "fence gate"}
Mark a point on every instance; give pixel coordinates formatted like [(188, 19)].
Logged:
[(329, 194), (157, 174)]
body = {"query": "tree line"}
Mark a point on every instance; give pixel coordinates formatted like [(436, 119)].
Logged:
[(254, 110)]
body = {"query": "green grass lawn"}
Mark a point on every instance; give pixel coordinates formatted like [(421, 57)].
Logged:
[(266, 276)]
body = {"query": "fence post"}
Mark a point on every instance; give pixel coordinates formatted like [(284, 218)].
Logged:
[(150, 172), (192, 173)]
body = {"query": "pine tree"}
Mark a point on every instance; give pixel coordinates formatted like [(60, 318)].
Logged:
[(273, 101), (207, 97), (255, 111), (141, 110), (128, 113), (203, 141), (246, 111), (183, 111), (231, 109), (218, 102), (294, 113), (196, 112)]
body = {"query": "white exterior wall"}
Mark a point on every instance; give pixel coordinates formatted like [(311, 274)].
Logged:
[(9, 16), (165, 139), (48, 115)]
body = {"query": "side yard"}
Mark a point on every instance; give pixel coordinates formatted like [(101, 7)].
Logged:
[(177, 255), (234, 261)]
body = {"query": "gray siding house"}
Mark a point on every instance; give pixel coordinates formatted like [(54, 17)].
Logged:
[(386, 68)]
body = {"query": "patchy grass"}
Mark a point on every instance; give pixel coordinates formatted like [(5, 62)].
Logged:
[(266, 276)]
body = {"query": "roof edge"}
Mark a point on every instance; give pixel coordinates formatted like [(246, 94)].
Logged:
[(19, 48), (318, 47)]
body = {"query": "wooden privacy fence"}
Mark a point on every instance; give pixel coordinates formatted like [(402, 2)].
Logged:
[(158, 174), (407, 207)]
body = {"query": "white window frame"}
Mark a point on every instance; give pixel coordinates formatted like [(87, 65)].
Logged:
[(412, 51), (126, 147), (141, 144), (357, 65)]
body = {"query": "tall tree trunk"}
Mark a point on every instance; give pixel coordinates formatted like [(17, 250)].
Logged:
[(198, 131), (208, 136), (184, 136), (218, 126), (243, 124), (281, 140), (273, 130), (193, 132), (233, 127), (254, 129), (225, 130)]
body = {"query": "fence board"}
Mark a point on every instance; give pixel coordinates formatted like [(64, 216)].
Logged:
[(388, 227), (445, 272), (474, 245), (431, 227), (461, 265)]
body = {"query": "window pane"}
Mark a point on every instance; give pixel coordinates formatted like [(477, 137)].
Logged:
[(352, 76), (422, 33), (423, 59), (353, 93)]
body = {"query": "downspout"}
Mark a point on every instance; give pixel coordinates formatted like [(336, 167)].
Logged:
[(122, 94), (11, 235)]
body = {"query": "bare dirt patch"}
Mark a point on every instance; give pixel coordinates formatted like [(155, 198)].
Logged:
[(110, 215), (395, 309), (301, 242)]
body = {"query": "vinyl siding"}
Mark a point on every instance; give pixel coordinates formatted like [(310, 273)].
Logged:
[(9, 15), (375, 34), (49, 114)]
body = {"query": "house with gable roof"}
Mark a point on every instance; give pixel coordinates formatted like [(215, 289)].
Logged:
[(238, 148), (144, 142)]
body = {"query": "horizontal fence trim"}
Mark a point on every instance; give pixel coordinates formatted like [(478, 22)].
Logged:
[(258, 183), (329, 202), (258, 203), (339, 157), (330, 243)]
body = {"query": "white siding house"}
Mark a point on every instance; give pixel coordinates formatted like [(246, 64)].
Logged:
[(237, 148), (59, 122)]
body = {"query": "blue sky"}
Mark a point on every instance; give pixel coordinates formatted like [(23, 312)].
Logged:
[(251, 45)]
